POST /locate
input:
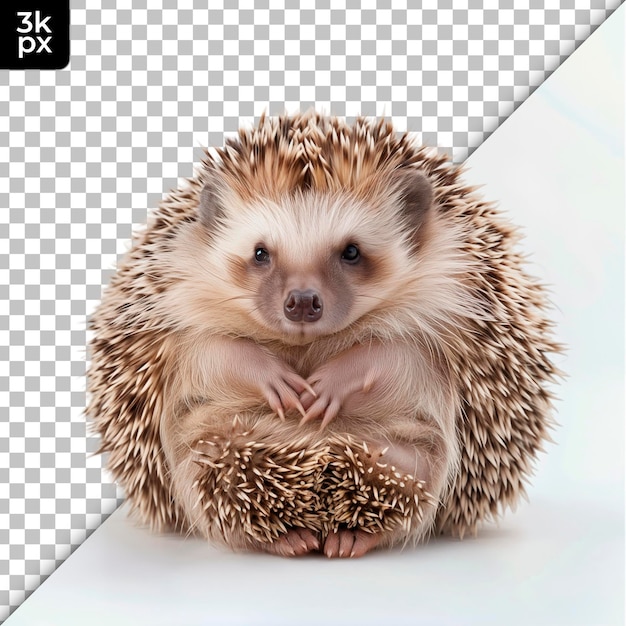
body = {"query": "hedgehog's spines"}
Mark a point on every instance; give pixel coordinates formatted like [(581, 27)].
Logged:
[(502, 365)]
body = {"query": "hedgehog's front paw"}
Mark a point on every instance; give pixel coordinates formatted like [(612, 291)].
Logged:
[(328, 400), (342, 384), (281, 389), (269, 377)]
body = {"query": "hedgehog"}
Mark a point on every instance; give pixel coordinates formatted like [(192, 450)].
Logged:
[(322, 341)]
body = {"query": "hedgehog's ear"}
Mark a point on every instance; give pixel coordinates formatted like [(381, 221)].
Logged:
[(416, 193), (209, 206)]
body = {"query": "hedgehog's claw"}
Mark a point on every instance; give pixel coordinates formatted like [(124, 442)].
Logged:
[(349, 543), (295, 542)]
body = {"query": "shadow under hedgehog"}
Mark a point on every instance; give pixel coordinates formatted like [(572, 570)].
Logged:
[(324, 341)]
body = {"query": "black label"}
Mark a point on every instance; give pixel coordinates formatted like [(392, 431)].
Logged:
[(34, 35)]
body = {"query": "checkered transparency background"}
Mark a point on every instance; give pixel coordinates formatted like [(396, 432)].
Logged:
[(85, 151)]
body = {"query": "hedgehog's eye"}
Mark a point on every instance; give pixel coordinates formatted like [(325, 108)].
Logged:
[(351, 254), (261, 256)]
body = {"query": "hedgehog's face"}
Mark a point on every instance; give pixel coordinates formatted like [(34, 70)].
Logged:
[(313, 264)]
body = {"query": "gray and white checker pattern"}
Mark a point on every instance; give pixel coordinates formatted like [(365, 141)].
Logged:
[(85, 151)]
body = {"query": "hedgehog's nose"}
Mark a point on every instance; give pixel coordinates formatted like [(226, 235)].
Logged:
[(303, 306)]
